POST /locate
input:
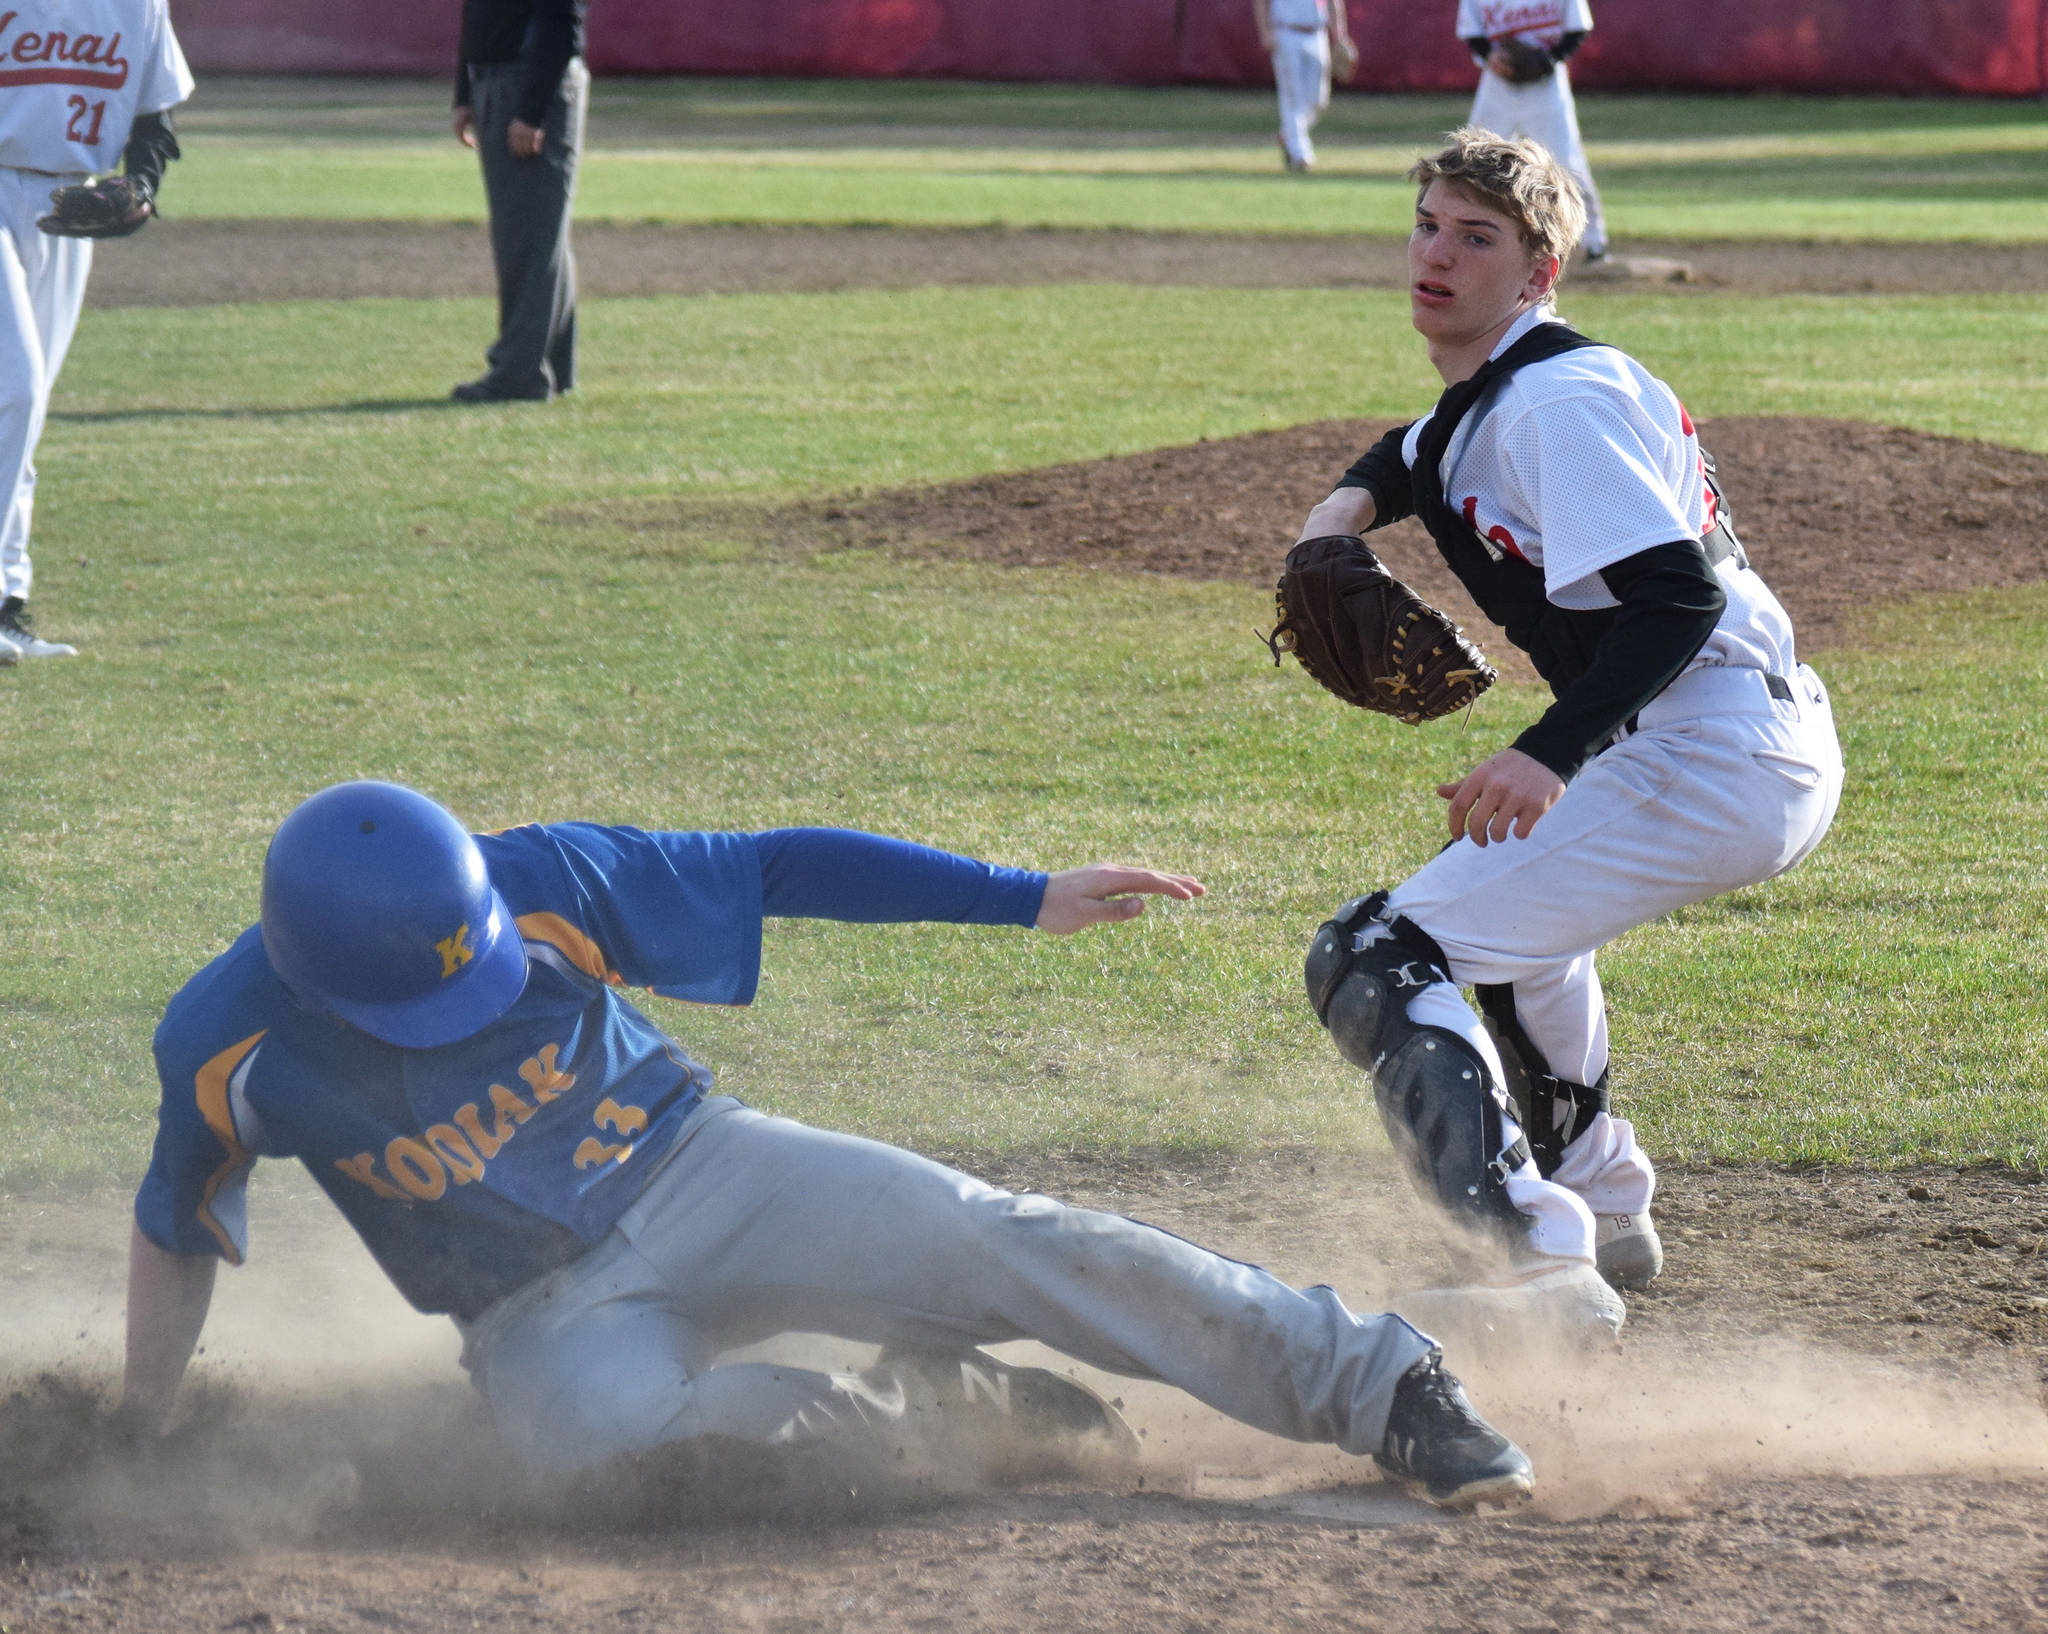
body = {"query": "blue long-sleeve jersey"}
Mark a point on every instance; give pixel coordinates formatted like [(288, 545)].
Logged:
[(472, 1168)]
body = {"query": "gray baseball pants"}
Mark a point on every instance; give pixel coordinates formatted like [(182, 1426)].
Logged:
[(535, 352), (756, 1225)]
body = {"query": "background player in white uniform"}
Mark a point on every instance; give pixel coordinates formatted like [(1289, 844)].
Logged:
[(1688, 751), (1308, 40), (1541, 109), (432, 1023), (83, 84)]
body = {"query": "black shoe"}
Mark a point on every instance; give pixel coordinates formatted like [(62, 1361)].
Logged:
[(1435, 1439), (487, 390), (1015, 1421)]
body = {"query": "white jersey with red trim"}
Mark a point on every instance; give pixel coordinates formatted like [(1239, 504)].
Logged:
[(74, 74), (1539, 22), (1586, 459)]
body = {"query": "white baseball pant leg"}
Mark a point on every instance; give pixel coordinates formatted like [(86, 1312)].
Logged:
[(1545, 112), (42, 289), (1301, 74), (757, 1225), (1721, 786)]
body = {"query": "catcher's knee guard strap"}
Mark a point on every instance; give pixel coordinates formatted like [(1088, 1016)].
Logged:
[(1442, 1110), (1553, 1110)]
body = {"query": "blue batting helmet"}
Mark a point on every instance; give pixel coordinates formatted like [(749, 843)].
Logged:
[(377, 908)]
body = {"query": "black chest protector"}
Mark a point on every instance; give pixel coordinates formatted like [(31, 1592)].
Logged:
[(1560, 641)]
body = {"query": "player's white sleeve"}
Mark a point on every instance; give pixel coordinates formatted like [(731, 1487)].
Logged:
[(166, 80)]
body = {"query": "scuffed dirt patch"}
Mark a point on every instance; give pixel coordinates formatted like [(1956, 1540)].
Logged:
[(1827, 1416), (1836, 515), (200, 263)]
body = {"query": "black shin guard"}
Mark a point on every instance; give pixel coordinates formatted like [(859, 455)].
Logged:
[(1443, 1112), (1553, 1111)]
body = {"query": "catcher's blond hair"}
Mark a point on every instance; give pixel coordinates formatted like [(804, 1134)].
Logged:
[(1519, 178)]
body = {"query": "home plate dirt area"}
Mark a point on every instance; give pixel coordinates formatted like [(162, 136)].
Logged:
[(1827, 1415)]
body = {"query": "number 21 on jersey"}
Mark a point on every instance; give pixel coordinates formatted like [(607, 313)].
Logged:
[(84, 125)]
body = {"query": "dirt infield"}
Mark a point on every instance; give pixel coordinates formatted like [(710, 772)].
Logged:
[(1814, 500), (188, 263), (1828, 1415)]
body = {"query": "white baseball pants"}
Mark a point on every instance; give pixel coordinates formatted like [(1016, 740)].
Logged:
[(1301, 73), (1721, 785), (42, 289), (757, 1226), (1546, 113)]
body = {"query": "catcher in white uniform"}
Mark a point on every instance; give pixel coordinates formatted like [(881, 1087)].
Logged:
[(1688, 751), (84, 85), (1525, 88), (1309, 41)]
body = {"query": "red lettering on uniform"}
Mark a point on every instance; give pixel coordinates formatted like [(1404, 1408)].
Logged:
[(1498, 534), (1684, 420), (89, 59), (1511, 19)]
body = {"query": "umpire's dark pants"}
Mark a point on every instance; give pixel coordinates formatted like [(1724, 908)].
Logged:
[(535, 352)]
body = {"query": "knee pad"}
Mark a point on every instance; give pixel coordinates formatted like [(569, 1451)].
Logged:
[(1442, 1109), (1552, 1110)]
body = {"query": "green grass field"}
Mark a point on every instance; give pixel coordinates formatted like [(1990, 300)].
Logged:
[(952, 155), (289, 563)]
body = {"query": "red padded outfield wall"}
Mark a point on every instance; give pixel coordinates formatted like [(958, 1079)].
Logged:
[(1977, 47)]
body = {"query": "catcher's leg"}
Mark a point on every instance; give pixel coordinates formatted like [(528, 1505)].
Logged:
[(1382, 988), (1578, 1143)]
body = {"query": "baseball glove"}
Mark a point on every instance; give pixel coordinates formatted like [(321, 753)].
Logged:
[(1343, 60), (1525, 63), (1368, 638), (111, 207)]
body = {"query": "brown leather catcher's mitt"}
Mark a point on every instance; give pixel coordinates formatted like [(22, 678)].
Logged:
[(1368, 638), (1526, 63)]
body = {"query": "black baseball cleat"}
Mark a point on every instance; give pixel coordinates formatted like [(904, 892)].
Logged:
[(1435, 1439)]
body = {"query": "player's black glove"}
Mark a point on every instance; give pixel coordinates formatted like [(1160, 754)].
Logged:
[(111, 207), (1525, 63), (1368, 638)]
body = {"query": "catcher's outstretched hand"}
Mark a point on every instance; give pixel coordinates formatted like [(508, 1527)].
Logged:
[(1106, 892), (111, 207), (1504, 794)]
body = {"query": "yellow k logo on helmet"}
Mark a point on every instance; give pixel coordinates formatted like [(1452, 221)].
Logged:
[(455, 951)]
